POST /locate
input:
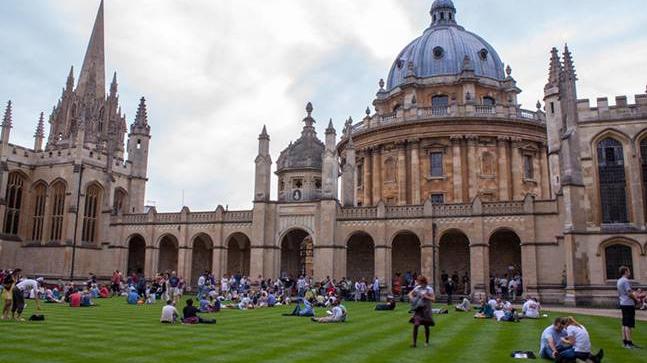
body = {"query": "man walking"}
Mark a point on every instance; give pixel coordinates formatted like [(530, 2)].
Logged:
[(627, 299)]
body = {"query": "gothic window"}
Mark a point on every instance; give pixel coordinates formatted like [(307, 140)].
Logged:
[(487, 164), (611, 170), (488, 101), (39, 212), (643, 157), (118, 204), (617, 256), (389, 170), (528, 167), (14, 201), (436, 164), (58, 207), (437, 198), (90, 212)]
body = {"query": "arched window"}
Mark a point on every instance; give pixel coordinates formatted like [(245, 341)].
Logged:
[(389, 170), (92, 199), (39, 212), (611, 170), (119, 201), (14, 201), (643, 157), (58, 208), (616, 256), (487, 164), (488, 101)]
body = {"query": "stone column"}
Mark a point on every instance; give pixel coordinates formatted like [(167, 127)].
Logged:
[(517, 170), (377, 175), (472, 161), (415, 171), (218, 260), (457, 171), (479, 268), (503, 174), (402, 173), (151, 266), (368, 182), (545, 173)]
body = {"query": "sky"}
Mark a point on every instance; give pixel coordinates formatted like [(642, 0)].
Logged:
[(215, 71)]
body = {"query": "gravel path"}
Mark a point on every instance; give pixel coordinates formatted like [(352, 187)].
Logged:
[(611, 313)]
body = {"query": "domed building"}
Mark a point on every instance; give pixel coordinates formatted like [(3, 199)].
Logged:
[(448, 177)]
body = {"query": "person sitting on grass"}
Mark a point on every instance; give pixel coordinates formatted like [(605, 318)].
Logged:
[(550, 340), (531, 309), (390, 304), (190, 313), (75, 299), (485, 311), (209, 305), (104, 293), (464, 305), (86, 299), (132, 297), (576, 344), (336, 315), (271, 300), (50, 298), (306, 310), (169, 313)]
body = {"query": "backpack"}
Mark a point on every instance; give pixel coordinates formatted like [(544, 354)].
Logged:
[(36, 317)]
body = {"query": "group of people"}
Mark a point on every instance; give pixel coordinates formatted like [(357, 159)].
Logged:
[(14, 289), (503, 310), (508, 286)]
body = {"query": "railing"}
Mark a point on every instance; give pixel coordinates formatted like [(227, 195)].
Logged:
[(409, 211), (357, 213), (134, 218), (503, 208), (527, 115), (452, 210), (238, 216), (202, 217), (167, 217), (485, 109), (244, 216), (390, 117)]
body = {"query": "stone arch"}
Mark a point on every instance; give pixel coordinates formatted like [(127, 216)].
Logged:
[(504, 252), (621, 240), (360, 256), (168, 253), (238, 253), (136, 254), (454, 258), (201, 256), (406, 253), (297, 253), (288, 230)]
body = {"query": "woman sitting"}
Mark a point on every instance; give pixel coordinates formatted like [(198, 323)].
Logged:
[(390, 304), (577, 344), (485, 311), (132, 297), (336, 315), (190, 313), (306, 310), (464, 305)]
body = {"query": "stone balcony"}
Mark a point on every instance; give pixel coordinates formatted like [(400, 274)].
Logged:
[(468, 111), (184, 217)]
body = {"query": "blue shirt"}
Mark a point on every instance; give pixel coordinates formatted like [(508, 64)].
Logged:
[(133, 297), (271, 300), (551, 332)]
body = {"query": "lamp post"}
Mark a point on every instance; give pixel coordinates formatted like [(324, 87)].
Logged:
[(76, 221)]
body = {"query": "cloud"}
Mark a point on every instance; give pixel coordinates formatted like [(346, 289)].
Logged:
[(214, 72)]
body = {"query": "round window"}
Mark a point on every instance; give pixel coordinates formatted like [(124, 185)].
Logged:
[(438, 52), (483, 54)]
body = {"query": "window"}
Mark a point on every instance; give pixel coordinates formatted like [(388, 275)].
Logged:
[(297, 183), (552, 107), (528, 167), (487, 164), (39, 212), (360, 175), (437, 198), (58, 207), (611, 171), (643, 157), (139, 144), (483, 54), (119, 201), (436, 164), (439, 101), (438, 52), (317, 183), (89, 233), (389, 170), (488, 101), (617, 256), (14, 201)]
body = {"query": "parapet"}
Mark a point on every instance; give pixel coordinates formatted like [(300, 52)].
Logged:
[(622, 110)]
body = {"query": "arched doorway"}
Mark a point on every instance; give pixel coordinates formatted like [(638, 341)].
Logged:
[(201, 257), (360, 257), (505, 254), (297, 251), (168, 254), (454, 260), (405, 255), (136, 255), (238, 254)]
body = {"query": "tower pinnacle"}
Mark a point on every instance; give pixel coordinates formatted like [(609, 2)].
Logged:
[(93, 71), (7, 119)]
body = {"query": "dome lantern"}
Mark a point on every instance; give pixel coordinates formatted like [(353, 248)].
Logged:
[(443, 12)]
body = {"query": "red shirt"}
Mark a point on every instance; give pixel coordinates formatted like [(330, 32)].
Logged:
[(75, 300), (104, 293)]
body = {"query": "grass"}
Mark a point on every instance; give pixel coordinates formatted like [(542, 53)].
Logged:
[(117, 332)]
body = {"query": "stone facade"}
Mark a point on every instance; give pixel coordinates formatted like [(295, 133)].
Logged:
[(448, 175)]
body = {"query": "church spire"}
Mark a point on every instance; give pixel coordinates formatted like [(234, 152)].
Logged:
[(93, 70), (70, 80), (39, 135), (113, 85), (7, 119), (569, 66), (555, 69), (141, 118)]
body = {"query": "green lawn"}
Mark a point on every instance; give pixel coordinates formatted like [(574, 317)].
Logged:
[(117, 332)]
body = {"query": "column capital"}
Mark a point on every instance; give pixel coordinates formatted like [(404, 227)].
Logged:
[(413, 141), (472, 139), (456, 138), (503, 139), (400, 144)]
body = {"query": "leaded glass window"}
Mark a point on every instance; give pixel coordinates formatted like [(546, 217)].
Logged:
[(436, 164), (58, 208), (39, 212), (617, 256), (611, 170), (13, 198), (89, 233)]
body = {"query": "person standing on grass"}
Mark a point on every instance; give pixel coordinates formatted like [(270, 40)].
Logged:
[(376, 289), (421, 298), (449, 289), (627, 299), (24, 286)]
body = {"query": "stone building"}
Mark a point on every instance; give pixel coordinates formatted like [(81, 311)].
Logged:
[(447, 175)]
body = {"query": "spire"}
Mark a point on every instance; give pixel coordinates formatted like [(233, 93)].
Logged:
[(70, 79), (569, 67), (113, 85), (555, 68), (40, 128), (309, 121), (331, 128), (264, 135), (6, 120), (141, 118), (93, 70)]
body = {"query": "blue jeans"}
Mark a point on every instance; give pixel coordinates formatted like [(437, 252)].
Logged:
[(546, 353)]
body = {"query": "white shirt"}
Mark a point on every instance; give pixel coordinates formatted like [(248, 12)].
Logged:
[(531, 309), (582, 340), (168, 312), (201, 280), (492, 303), (28, 285), (499, 314)]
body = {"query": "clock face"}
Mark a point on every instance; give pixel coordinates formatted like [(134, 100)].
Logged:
[(296, 195)]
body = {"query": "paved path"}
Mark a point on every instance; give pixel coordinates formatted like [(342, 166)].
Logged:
[(611, 313)]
